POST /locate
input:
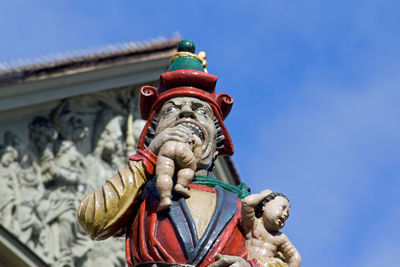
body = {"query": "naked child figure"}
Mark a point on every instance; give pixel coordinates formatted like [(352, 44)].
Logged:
[(263, 215), (186, 155)]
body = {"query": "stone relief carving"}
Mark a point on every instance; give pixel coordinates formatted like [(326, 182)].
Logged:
[(67, 154)]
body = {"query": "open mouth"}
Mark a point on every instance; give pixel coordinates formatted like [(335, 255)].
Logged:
[(196, 130), (282, 220)]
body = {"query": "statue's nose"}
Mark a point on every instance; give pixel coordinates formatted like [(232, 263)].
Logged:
[(186, 112), (286, 214)]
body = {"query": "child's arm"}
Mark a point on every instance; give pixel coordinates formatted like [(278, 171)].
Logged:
[(289, 252), (248, 205)]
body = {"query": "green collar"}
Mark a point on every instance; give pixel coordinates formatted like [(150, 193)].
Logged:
[(241, 190)]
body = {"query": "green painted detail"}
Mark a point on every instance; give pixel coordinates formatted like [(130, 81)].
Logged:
[(241, 190), (186, 46), (186, 63)]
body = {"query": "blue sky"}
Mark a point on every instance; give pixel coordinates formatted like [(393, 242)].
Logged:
[(316, 85)]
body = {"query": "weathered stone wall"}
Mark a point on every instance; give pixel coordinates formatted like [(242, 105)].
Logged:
[(48, 162)]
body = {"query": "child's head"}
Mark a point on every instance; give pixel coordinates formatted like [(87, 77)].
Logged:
[(274, 211), (7, 155)]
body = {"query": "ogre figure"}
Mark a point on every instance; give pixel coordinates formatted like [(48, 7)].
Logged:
[(184, 123)]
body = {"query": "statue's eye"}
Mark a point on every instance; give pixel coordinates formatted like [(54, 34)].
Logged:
[(202, 111), (169, 109)]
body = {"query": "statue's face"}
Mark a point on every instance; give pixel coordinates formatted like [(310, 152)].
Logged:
[(194, 114), (7, 158), (275, 213), (79, 130)]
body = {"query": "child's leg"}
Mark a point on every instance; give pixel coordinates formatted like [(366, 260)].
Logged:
[(187, 165), (164, 171), (185, 177)]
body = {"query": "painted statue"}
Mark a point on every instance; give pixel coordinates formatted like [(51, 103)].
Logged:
[(172, 212), (263, 215)]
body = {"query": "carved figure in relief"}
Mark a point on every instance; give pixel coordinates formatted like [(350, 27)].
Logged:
[(60, 240), (44, 180), (8, 181), (263, 215), (8, 155), (22, 189), (14, 141), (107, 138), (42, 136), (194, 230), (69, 163)]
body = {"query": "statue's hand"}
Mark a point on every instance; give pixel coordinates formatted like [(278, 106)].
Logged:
[(227, 260), (177, 133), (266, 192)]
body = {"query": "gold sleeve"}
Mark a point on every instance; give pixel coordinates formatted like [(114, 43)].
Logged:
[(106, 211)]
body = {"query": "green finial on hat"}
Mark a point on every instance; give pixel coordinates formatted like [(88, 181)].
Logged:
[(186, 59), (186, 46)]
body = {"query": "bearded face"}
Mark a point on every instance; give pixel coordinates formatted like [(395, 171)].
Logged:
[(197, 116)]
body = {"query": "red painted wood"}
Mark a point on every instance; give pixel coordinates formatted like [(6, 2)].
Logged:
[(151, 237)]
